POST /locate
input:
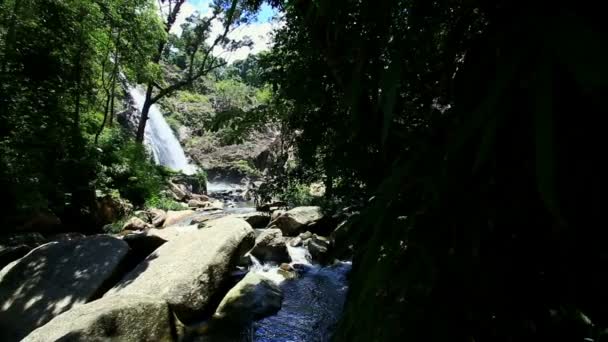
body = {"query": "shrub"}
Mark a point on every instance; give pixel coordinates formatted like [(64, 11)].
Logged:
[(127, 167), (163, 202)]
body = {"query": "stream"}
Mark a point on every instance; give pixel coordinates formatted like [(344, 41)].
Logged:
[(312, 303)]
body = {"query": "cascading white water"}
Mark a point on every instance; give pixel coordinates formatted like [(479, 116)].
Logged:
[(165, 147)]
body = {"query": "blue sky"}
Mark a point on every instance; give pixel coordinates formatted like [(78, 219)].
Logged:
[(266, 12)]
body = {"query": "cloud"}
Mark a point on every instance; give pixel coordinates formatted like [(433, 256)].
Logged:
[(258, 32)]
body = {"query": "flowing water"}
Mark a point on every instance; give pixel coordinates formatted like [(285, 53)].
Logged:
[(165, 147), (312, 303)]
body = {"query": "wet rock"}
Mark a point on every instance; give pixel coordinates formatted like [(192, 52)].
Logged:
[(252, 298), (270, 247), (296, 220), (318, 247), (55, 277), (175, 217), (188, 270), (115, 318), (287, 271), (276, 213)]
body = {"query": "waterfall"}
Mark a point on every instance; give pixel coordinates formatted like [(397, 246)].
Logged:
[(165, 147)]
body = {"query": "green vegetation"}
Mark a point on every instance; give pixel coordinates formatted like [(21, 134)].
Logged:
[(466, 133), (163, 202)]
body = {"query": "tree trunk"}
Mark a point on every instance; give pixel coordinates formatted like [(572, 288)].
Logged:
[(144, 115)]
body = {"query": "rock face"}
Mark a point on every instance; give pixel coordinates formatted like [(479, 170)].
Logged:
[(270, 246), (296, 220), (188, 270), (174, 217), (115, 318), (14, 246), (53, 278), (253, 298)]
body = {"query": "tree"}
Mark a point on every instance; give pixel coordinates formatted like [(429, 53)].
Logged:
[(199, 55), (470, 130)]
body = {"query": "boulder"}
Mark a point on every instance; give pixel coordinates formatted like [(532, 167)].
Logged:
[(275, 214), (195, 203), (157, 217), (170, 233), (55, 277), (296, 220), (112, 208), (200, 197), (179, 191), (66, 236), (255, 219), (252, 298), (270, 246), (14, 246), (188, 270), (142, 245), (287, 271), (114, 318), (175, 217), (135, 223), (318, 247)]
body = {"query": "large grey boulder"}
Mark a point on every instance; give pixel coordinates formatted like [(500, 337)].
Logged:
[(114, 318), (297, 220), (55, 277), (175, 217), (252, 298), (270, 245), (189, 269)]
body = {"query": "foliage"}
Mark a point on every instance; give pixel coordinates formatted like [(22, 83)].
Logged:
[(454, 121), (163, 202), (56, 75), (127, 166)]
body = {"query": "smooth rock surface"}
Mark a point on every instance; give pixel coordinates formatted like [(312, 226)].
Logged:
[(189, 269), (297, 220), (270, 246), (175, 217), (252, 298), (114, 318), (53, 278)]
